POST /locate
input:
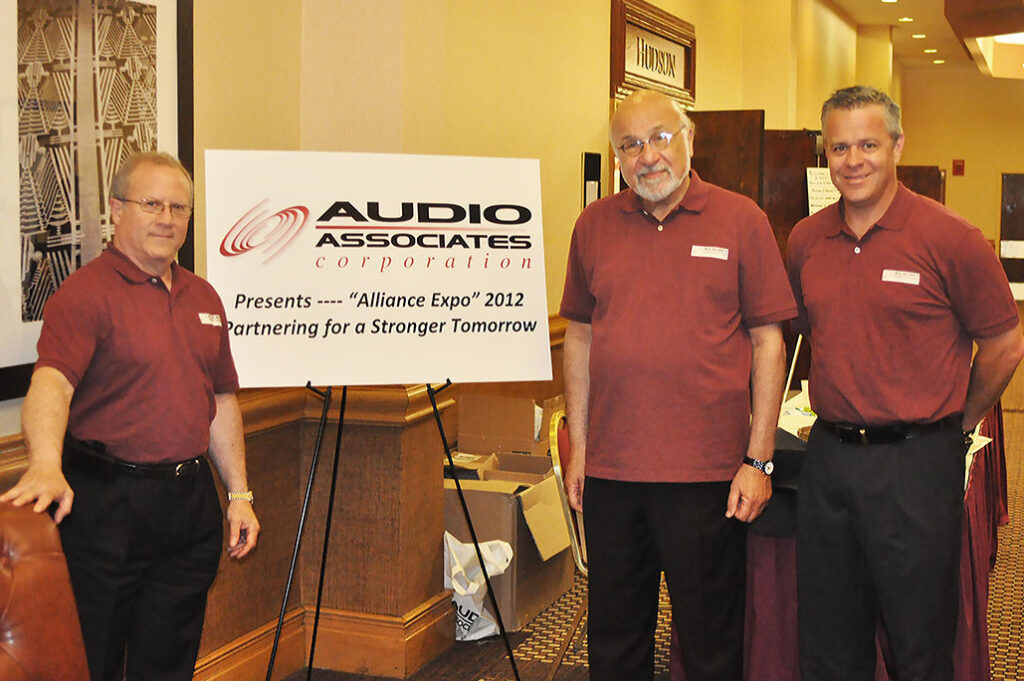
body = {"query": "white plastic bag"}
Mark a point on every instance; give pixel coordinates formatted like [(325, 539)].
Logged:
[(469, 590)]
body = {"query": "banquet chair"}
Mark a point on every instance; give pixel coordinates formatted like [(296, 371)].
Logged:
[(559, 451), (40, 637)]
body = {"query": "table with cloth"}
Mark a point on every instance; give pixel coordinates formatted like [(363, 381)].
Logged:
[(771, 626)]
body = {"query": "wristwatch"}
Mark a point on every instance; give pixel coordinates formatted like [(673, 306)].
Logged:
[(765, 467)]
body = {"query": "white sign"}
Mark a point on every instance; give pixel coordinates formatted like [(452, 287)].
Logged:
[(356, 269), (820, 190)]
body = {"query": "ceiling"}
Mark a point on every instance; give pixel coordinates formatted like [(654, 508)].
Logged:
[(930, 19)]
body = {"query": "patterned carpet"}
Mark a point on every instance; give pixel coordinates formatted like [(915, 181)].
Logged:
[(1006, 585)]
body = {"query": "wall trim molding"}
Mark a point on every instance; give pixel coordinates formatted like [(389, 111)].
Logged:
[(247, 657), (347, 641)]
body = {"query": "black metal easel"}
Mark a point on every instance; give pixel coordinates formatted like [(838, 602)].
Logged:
[(326, 396), (432, 393)]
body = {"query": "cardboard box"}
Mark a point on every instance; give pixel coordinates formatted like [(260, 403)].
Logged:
[(493, 423), (517, 501)]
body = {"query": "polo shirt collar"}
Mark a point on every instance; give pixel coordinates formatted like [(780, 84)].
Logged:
[(694, 200), (894, 218), (131, 272)]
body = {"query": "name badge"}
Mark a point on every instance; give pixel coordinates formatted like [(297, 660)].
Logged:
[(901, 277), (709, 252), (209, 319)]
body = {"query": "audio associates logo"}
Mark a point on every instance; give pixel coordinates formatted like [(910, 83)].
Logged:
[(261, 230)]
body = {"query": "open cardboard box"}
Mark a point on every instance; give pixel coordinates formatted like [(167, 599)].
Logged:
[(494, 423), (516, 500)]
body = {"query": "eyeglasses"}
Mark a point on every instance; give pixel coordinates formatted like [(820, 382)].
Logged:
[(657, 141), (178, 210)]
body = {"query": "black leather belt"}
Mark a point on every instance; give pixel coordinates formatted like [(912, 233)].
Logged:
[(91, 456), (854, 434)]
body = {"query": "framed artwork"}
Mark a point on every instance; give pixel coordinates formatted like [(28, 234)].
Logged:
[(86, 83)]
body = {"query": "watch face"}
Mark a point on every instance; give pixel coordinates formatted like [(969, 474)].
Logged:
[(768, 467)]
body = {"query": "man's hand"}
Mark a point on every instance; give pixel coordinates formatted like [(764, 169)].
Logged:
[(573, 478), (244, 528), (44, 484), (750, 491)]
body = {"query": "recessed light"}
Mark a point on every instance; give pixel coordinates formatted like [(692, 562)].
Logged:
[(890, 2), (905, 20), (938, 61), (919, 36), (930, 50)]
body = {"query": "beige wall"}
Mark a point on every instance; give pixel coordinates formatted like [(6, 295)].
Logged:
[(874, 57), (953, 113), (247, 63), (524, 79)]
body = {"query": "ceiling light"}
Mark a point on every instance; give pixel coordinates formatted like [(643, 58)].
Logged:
[(930, 50), (938, 61), (905, 20), (890, 2), (1010, 38), (919, 36)]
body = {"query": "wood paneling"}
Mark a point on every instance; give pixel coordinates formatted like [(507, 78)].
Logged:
[(787, 155), (728, 149), (927, 181)]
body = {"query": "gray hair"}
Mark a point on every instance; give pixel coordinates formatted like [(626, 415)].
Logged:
[(861, 95), (119, 185)]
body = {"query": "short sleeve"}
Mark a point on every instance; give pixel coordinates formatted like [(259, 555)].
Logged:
[(72, 330), (978, 289), (765, 295), (577, 299)]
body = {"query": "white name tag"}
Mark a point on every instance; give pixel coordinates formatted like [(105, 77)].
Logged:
[(709, 252), (901, 277), (209, 319)]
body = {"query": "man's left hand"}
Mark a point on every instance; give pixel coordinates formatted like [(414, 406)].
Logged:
[(750, 491), (244, 528)]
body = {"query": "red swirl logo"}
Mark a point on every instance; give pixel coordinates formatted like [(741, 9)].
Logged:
[(259, 229)]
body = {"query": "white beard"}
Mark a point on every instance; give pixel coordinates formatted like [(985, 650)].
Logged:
[(658, 193)]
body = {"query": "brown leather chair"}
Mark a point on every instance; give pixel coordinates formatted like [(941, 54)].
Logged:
[(40, 637)]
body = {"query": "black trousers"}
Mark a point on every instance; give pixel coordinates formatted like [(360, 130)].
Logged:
[(878, 537), (142, 553), (636, 530)]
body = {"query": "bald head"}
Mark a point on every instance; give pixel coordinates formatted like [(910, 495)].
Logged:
[(653, 141), (647, 104)]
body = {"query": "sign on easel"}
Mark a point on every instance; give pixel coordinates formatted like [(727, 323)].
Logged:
[(356, 269)]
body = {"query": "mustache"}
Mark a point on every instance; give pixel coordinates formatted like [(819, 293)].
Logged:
[(658, 167)]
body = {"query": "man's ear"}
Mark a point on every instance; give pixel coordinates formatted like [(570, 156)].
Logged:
[(115, 210)]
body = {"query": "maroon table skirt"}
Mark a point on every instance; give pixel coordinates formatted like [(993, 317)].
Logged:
[(771, 636)]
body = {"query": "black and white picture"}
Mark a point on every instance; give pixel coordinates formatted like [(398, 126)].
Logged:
[(87, 87)]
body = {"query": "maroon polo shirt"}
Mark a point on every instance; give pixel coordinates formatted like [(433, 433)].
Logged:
[(892, 316), (670, 305), (145, 362)]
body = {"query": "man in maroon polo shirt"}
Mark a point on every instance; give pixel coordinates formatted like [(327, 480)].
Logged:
[(674, 364), (134, 384), (893, 289)]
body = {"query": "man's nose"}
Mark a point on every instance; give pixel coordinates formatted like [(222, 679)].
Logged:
[(648, 154)]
